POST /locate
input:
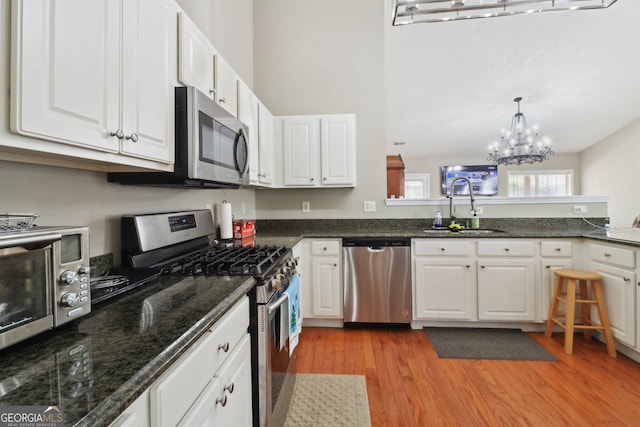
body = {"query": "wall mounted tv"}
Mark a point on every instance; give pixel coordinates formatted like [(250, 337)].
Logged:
[(484, 179)]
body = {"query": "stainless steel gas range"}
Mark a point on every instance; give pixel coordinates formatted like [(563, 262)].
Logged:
[(180, 243)]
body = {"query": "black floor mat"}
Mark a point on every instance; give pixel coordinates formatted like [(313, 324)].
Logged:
[(483, 343)]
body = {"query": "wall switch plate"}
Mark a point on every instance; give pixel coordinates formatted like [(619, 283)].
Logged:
[(306, 207), (369, 206), (579, 209)]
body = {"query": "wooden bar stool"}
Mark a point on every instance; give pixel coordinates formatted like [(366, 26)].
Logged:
[(569, 278)]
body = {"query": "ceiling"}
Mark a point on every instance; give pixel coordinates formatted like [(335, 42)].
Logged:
[(450, 86)]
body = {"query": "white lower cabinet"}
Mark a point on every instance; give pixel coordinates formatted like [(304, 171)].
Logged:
[(136, 415), (444, 280), (210, 365), (506, 289), (617, 266), (226, 401), (321, 262), (555, 255)]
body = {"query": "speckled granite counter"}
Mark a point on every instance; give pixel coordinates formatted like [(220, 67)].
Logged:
[(99, 364)]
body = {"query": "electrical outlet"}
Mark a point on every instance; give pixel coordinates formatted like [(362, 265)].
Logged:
[(369, 206), (579, 209), (306, 207)]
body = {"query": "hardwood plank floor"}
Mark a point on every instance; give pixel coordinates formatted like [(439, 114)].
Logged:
[(408, 385)]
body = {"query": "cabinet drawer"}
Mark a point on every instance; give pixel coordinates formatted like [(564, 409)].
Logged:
[(177, 389), (325, 247), (506, 248), (613, 255), (443, 248), (551, 249)]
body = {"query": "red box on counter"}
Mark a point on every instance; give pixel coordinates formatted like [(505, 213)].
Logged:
[(243, 228), (246, 242)]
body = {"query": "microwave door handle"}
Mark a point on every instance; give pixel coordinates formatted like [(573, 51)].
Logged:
[(30, 241), (245, 169)]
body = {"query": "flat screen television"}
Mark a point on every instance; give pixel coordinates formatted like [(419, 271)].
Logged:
[(484, 179)]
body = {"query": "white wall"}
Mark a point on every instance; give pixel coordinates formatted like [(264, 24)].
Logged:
[(609, 168), (63, 196)]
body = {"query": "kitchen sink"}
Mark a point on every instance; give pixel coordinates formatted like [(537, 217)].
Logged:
[(465, 231)]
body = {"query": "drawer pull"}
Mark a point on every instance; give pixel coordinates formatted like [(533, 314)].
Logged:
[(482, 266), (222, 400), (626, 279), (547, 267), (229, 388), (468, 266), (442, 249), (558, 249), (506, 249), (224, 347), (607, 254)]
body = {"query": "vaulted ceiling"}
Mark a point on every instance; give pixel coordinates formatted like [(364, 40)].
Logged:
[(450, 86)]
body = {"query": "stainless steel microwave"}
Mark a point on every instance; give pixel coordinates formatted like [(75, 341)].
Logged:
[(44, 280), (211, 146)]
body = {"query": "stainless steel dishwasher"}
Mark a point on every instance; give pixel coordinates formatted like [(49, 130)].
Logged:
[(377, 280)]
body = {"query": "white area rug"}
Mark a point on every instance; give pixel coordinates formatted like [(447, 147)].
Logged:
[(329, 400)]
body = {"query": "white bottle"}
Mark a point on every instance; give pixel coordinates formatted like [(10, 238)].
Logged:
[(437, 221)]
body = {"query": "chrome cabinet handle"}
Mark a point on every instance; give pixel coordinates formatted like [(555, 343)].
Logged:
[(118, 134), (222, 400), (133, 137), (224, 347), (229, 388)]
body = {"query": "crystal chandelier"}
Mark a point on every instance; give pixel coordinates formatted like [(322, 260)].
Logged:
[(520, 144), (428, 11)]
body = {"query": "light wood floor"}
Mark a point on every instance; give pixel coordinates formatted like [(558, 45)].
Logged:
[(408, 385)]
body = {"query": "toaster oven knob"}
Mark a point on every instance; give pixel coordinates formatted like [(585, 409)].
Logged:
[(70, 299), (68, 278)]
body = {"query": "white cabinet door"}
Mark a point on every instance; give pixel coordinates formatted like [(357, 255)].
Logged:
[(301, 136), (149, 54), (547, 268), (326, 287), (445, 289), (265, 141), (226, 85), (97, 75), (195, 63), (338, 150), (506, 289), (248, 114), (66, 84), (227, 399), (618, 288)]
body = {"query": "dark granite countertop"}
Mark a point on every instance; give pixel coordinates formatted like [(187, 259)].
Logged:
[(97, 365)]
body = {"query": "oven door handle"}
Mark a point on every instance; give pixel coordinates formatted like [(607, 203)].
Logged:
[(277, 303), (20, 242)]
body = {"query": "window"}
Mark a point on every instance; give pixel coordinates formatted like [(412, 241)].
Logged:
[(416, 186), (540, 183)]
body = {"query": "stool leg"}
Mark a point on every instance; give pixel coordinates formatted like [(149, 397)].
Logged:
[(553, 307), (570, 320), (586, 309), (604, 318)]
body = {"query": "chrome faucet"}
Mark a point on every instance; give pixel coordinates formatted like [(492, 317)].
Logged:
[(452, 212)]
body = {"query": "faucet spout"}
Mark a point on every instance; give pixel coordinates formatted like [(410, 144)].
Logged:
[(452, 212)]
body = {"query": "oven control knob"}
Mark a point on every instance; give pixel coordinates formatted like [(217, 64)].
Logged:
[(68, 278), (70, 299)]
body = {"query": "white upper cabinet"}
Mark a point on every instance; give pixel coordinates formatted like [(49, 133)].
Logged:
[(226, 85), (248, 114), (201, 66), (265, 141), (319, 150), (95, 75), (195, 57)]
